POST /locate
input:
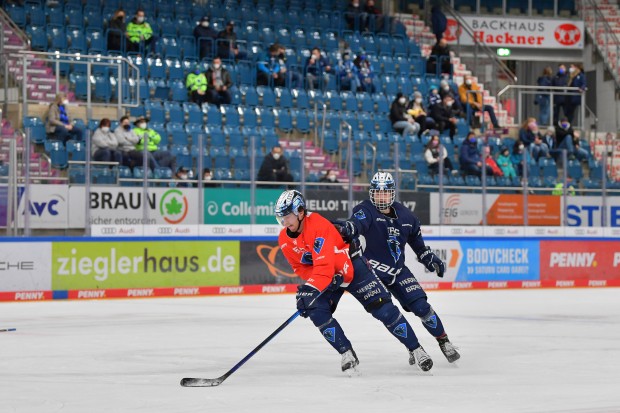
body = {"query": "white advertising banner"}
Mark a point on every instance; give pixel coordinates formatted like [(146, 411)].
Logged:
[(585, 211), (515, 32), (49, 206), (123, 206), (25, 266), (458, 209)]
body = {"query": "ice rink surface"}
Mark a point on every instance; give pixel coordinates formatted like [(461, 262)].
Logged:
[(522, 351)]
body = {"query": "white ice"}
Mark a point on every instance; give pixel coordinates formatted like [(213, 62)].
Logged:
[(522, 351)]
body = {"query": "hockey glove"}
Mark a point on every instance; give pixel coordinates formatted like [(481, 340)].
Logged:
[(306, 258), (346, 229), (432, 262), (306, 299), (355, 248), (336, 282)]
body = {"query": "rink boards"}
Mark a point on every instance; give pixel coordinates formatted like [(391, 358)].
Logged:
[(167, 266)]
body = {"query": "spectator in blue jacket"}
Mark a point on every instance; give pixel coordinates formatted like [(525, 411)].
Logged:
[(439, 22), (560, 79), (269, 69), (542, 98), (347, 73), (365, 74), (317, 67), (469, 157), (528, 132), (576, 78)]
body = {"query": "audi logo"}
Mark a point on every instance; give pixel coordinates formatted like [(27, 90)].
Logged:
[(271, 231), (108, 230), (218, 230), (165, 230)]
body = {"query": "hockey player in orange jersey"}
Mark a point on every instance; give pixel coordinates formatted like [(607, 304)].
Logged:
[(318, 255)]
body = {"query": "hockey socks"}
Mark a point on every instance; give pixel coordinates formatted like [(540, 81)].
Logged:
[(397, 325), (430, 320), (333, 333)]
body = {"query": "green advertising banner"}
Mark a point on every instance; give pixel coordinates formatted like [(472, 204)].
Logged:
[(92, 265), (233, 206)]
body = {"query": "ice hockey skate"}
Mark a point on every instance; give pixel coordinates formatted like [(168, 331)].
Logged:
[(448, 349), (419, 358), (349, 362)]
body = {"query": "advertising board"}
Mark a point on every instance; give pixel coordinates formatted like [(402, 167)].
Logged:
[(124, 206), (122, 264), (496, 31)]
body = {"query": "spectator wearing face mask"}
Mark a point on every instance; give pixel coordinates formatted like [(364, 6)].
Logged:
[(355, 17), (433, 152), (418, 113), (444, 116), (127, 141), (471, 98), (567, 138), (331, 177), (163, 157), (207, 177), (140, 34), (560, 80), (181, 178), (275, 167), (116, 31), (444, 90), (220, 82), (505, 163), (205, 37), (317, 70), (469, 156), (401, 121), (528, 131), (104, 146), (373, 13), (58, 125), (347, 73), (576, 78), (365, 73), (517, 156), (196, 84)]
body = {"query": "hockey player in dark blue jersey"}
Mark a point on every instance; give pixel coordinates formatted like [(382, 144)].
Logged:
[(387, 227)]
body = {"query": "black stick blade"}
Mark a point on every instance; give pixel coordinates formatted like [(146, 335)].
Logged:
[(195, 382)]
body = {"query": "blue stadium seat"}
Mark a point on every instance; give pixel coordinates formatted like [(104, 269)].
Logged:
[(58, 154), (214, 116), (36, 127)]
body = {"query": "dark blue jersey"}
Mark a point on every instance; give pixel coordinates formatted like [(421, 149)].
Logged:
[(386, 237)]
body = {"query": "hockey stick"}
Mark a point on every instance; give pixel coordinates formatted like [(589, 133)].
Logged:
[(2, 330), (197, 382)]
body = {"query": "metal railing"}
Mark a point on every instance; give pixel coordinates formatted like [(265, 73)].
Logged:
[(121, 70), (609, 49), (523, 96), (500, 70)]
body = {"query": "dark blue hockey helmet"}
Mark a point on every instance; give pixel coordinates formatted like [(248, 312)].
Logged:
[(382, 182), (290, 201)]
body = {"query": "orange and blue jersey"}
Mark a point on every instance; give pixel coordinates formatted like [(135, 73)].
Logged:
[(321, 241)]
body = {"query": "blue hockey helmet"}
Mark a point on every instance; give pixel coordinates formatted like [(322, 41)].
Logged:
[(384, 183), (290, 201)]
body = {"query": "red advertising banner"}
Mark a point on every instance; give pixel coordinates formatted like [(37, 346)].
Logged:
[(579, 260), (542, 210)]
